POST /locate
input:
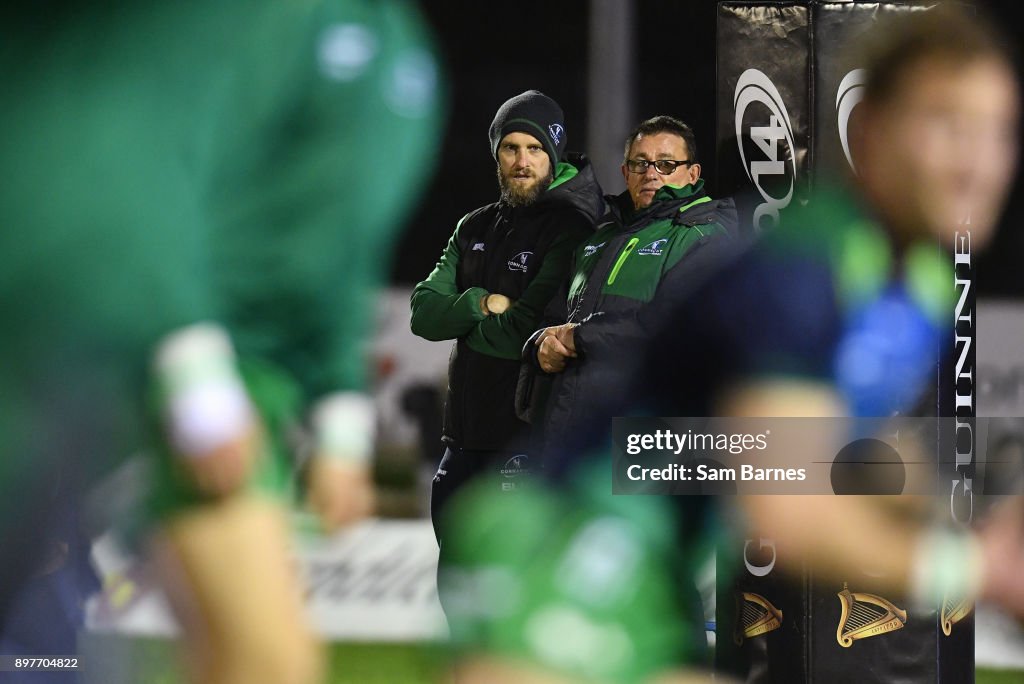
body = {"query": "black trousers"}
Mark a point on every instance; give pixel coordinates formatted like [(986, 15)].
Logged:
[(508, 471), (459, 466)]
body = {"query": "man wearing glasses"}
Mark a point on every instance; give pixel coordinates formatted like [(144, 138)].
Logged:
[(652, 232)]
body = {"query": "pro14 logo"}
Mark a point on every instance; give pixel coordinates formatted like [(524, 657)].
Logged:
[(754, 86)]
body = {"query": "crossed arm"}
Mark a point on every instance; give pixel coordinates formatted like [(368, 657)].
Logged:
[(491, 323)]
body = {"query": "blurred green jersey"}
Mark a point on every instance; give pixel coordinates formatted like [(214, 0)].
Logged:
[(164, 163)]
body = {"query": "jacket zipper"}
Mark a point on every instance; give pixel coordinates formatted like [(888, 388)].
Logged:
[(622, 258)]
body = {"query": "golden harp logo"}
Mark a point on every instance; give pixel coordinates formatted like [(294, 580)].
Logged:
[(866, 615), (757, 616), (953, 611)]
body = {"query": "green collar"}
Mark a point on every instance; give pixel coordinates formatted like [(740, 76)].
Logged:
[(564, 172), (675, 192), (666, 193)]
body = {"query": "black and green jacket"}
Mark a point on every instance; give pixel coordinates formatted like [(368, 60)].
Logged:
[(632, 258), (523, 253)]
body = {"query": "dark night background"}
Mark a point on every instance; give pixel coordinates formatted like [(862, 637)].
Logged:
[(495, 50)]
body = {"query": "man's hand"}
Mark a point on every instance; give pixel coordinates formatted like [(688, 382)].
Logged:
[(556, 345), (566, 335), (494, 304), (341, 492), (1002, 547), (224, 470)]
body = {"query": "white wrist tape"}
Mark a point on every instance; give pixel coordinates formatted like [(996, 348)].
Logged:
[(344, 424), (206, 402), (946, 563)]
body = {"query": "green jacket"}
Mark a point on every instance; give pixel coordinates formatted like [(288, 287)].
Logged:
[(523, 253), (622, 267), (625, 260), (443, 310)]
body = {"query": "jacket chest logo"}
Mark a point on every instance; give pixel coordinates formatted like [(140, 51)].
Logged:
[(519, 262), (591, 250), (655, 248), (477, 247)]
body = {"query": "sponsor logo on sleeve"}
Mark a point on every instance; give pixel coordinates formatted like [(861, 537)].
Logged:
[(344, 51)]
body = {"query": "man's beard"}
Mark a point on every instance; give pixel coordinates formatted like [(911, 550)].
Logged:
[(518, 196)]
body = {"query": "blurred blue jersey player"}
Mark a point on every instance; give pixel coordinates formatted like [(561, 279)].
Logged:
[(842, 311)]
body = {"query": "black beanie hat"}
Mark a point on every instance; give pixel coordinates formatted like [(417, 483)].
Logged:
[(535, 113)]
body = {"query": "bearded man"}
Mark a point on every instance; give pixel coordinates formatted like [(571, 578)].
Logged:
[(501, 268)]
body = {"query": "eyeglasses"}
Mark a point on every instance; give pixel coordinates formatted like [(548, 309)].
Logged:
[(663, 166)]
